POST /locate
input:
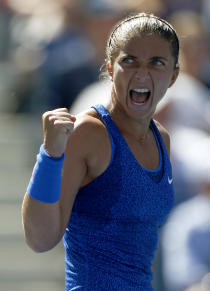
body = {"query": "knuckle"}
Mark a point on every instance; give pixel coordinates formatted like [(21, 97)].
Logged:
[(52, 118), (46, 115)]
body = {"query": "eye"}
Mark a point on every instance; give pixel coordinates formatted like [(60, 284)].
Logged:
[(158, 62), (128, 60)]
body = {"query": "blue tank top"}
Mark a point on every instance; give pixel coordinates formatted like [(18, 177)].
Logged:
[(112, 233)]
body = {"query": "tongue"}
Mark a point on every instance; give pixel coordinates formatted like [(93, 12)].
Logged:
[(139, 97)]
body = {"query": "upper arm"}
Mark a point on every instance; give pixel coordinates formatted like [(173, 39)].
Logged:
[(82, 145), (74, 171)]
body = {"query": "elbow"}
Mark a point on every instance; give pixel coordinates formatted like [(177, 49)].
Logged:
[(39, 242), (38, 246)]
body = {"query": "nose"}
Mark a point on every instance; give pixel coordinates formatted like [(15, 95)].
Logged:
[(142, 74)]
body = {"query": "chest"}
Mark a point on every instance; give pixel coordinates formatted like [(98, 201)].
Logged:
[(147, 153), (124, 192)]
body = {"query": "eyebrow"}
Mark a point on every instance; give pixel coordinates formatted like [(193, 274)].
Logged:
[(128, 55), (158, 57), (134, 57)]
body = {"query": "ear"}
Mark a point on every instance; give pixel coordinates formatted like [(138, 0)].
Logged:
[(174, 76), (110, 70)]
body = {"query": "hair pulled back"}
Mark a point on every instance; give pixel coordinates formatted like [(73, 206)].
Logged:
[(138, 24)]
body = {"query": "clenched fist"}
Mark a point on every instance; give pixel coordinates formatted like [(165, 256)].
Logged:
[(58, 125)]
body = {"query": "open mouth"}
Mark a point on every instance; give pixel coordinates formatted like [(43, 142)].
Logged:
[(140, 96)]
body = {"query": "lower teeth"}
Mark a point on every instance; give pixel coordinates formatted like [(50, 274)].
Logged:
[(136, 97)]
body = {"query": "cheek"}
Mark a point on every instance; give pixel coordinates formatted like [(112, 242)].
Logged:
[(120, 79), (161, 87), (163, 81)]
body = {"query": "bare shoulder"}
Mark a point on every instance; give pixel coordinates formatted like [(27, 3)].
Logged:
[(89, 127), (89, 144), (165, 135), (90, 139)]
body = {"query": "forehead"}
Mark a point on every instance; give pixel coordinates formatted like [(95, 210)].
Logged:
[(149, 44)]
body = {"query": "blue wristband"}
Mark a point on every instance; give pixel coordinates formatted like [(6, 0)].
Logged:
[(45, 182)]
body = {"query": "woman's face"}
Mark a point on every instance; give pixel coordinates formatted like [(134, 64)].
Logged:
[(141, 73)]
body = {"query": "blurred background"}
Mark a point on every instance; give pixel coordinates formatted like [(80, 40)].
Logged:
[(51, 53)]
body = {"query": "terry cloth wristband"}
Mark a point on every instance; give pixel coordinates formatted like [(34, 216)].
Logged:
[(45, 183)]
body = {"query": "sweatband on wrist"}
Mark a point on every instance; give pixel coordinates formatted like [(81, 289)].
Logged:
[(45, 182)]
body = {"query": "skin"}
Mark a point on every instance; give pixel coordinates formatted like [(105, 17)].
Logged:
[(136, 66), (85, 140)]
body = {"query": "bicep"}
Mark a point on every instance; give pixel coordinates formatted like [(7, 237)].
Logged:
[(82, 148), (74, 172)]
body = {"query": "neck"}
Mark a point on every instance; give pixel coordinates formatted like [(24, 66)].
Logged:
[(139, 129)]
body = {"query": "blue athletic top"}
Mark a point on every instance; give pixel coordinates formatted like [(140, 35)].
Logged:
[(112, 233)]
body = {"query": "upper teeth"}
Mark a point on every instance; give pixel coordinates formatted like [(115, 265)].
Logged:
[(145, 90)]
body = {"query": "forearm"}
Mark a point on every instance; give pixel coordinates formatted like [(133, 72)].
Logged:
[(45, 212), (42, 224), (41, 204)]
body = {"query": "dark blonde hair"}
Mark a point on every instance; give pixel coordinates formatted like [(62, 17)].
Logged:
[(141, 23)]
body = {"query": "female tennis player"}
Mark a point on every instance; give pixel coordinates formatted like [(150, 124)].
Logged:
[(103, 179)]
